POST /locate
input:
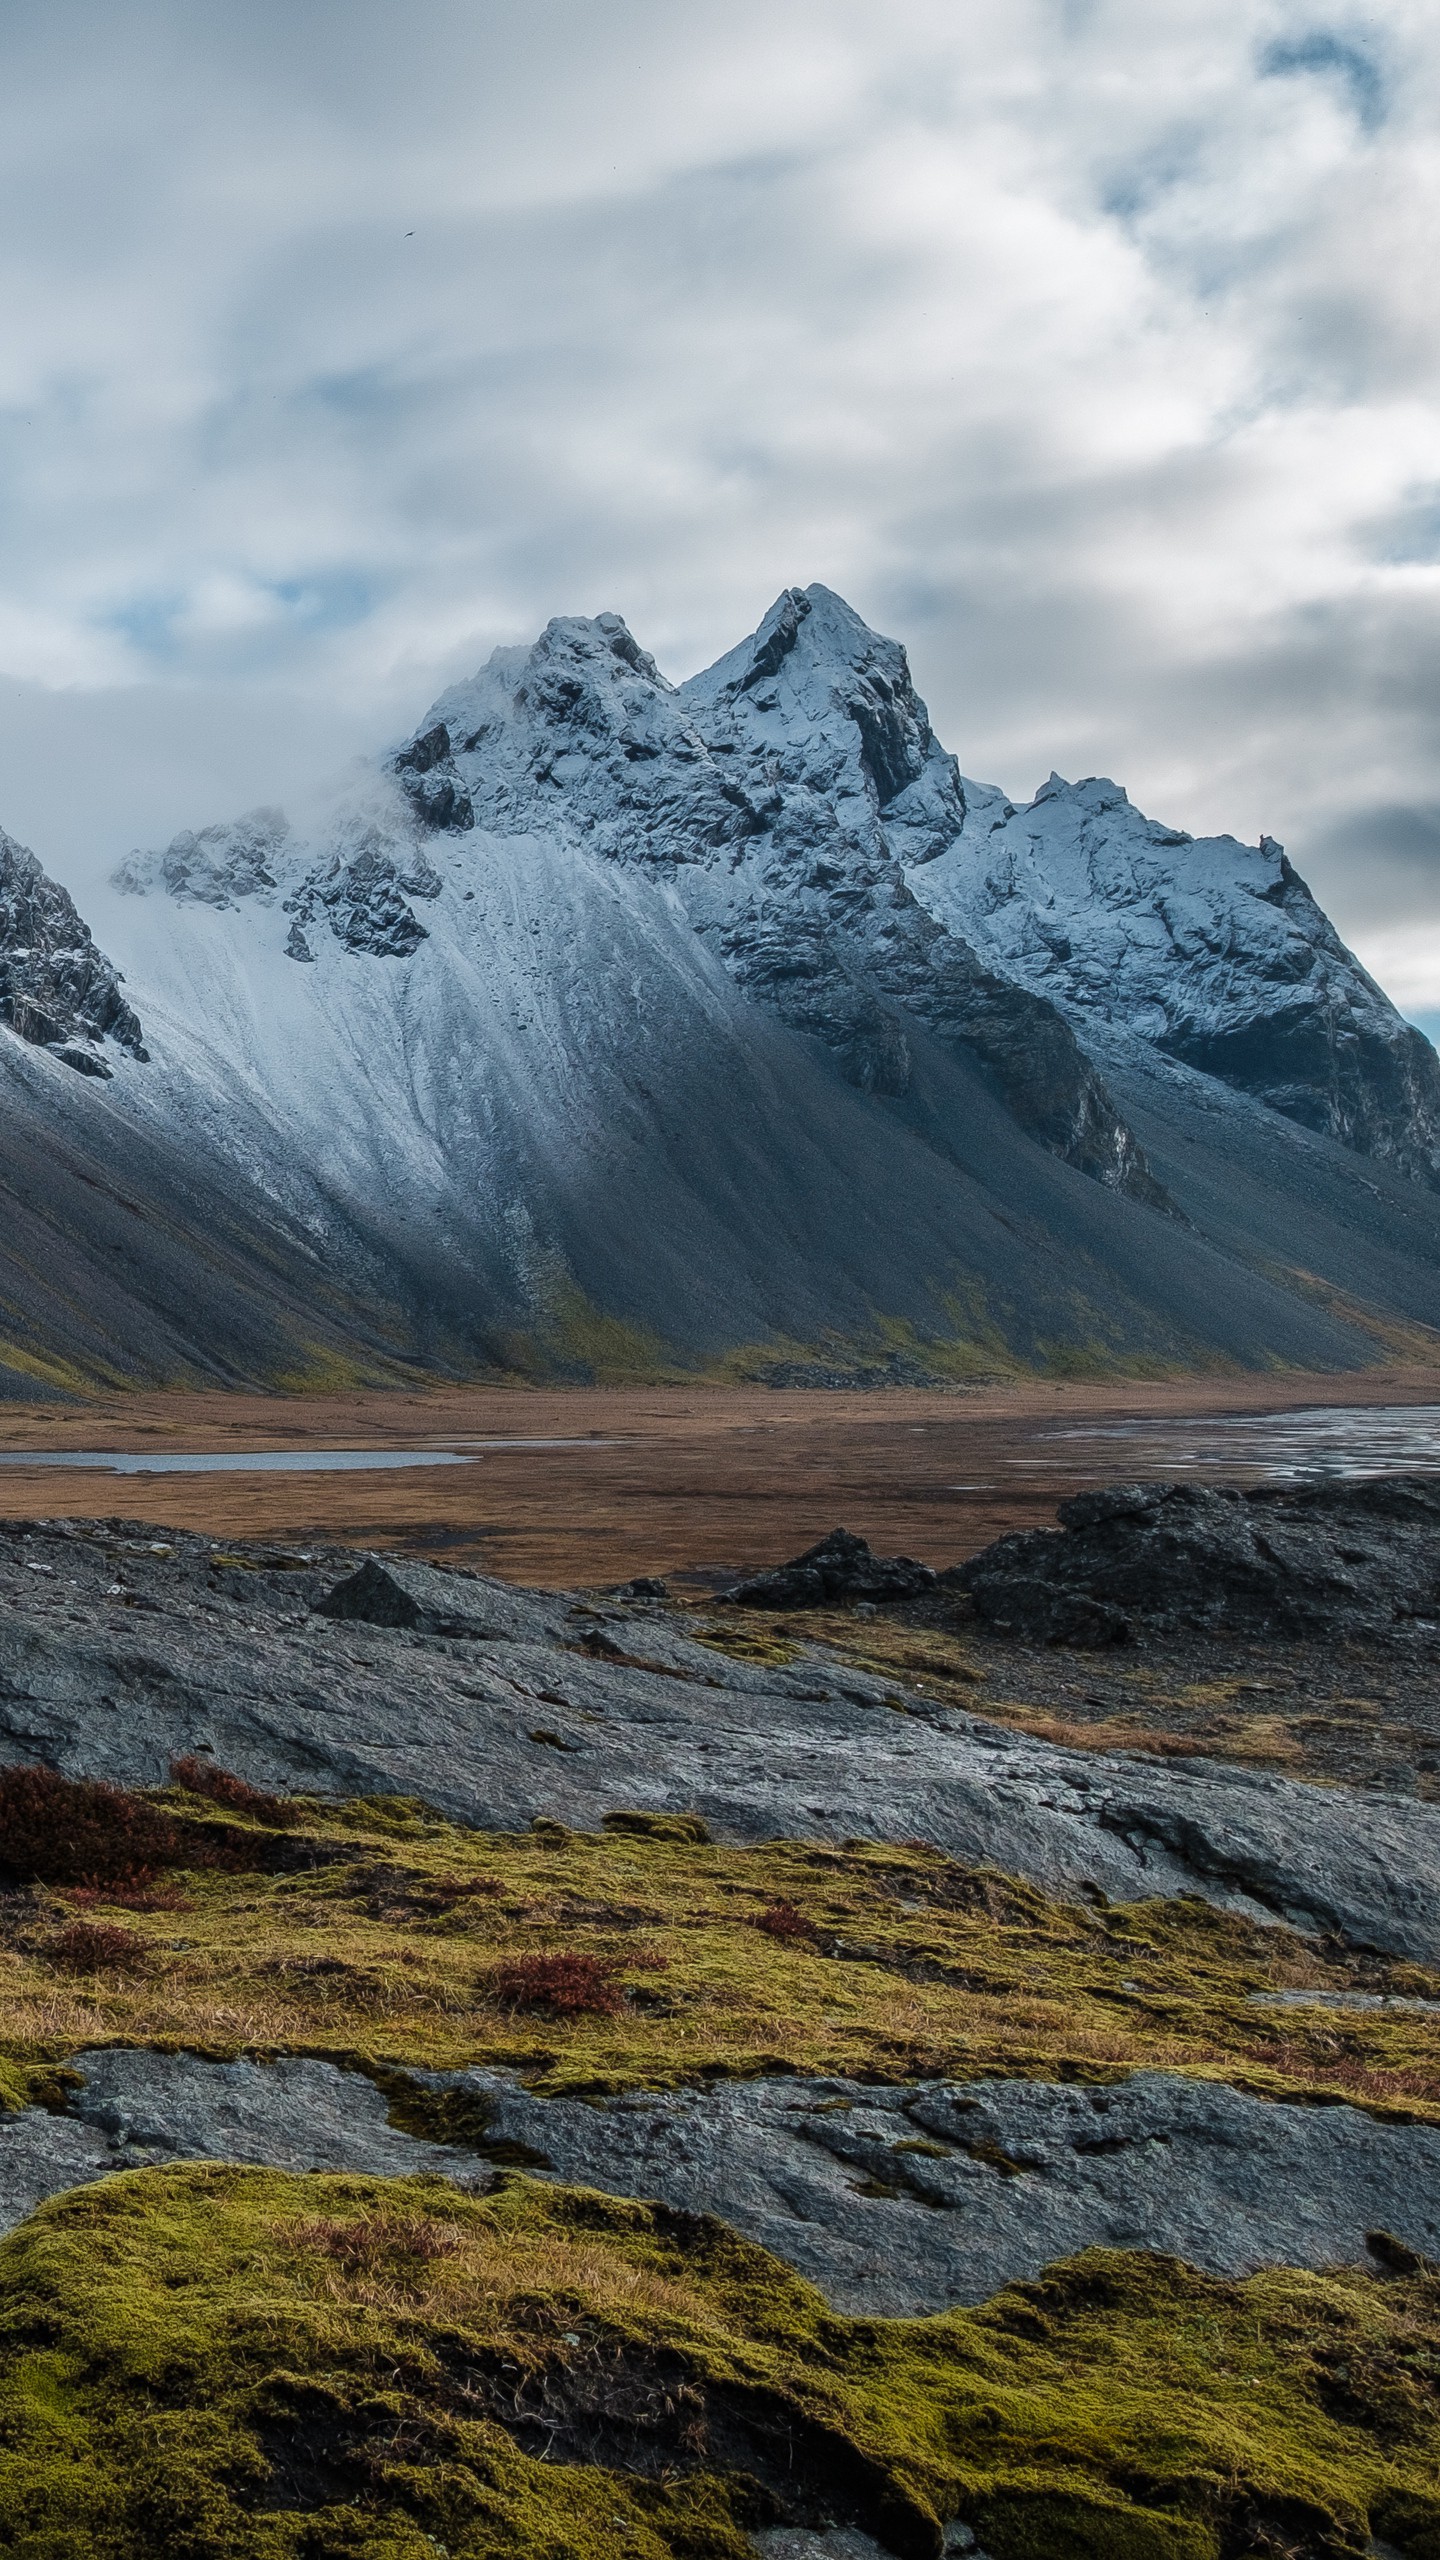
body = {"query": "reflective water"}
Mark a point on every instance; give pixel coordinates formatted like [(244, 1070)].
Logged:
[(1317, 1442), (227, 1462)]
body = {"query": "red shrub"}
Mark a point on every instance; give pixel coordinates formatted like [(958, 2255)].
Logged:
[(89, 1946), (56, 1830), (562, 1986), (221, 1786), (131, 1897), (782, 1920), (68, 1831)]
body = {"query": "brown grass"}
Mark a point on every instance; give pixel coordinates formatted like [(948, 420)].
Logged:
[(89, 1946), (727, 1477)]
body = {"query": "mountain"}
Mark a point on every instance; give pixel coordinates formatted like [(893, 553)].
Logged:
[(607, 1027), (1205, 950)]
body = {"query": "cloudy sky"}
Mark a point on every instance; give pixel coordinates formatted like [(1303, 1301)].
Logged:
[(1088, 347)]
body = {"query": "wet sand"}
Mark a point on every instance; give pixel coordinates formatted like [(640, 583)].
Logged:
[(706, 1481)]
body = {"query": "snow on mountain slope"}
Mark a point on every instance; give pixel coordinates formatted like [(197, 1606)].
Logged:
[(768, 829), (602, 1023), (1213, 951), (559, 1101)]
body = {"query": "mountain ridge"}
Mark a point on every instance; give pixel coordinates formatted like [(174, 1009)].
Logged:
[(728, 1023)]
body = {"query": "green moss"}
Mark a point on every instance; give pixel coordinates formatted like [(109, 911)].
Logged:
[(216, 2361), (966, 1349), (579, 1341), (384, 1950)]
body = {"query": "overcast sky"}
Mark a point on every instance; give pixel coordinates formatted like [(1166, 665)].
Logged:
[(1087, 346)]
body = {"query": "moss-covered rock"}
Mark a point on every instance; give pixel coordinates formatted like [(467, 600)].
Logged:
[(218, 2361)]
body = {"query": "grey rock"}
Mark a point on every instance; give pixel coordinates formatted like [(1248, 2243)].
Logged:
[(86, 1062), (839, 1567), (901, 2201), (140, 2110), (43, 2155), (239, 1665), (410, 1595), (365, 893), (842, 2542), (290, 2114), (215, 866), (1312, 1559), (1363, 2000), (892, 2201)]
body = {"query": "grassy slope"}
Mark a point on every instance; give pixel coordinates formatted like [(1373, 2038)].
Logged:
[(883, 1962)]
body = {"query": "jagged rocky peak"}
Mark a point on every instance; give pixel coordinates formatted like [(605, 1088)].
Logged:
[(57, 989), (1209, 950), (217, 866), (582, 732), (819, 701), (758, 790), (356, 879)]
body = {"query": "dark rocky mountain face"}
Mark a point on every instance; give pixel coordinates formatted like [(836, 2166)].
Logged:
[(1328, 1050), (57, 990)]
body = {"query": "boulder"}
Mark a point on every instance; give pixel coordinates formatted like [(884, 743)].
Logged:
[(838, 1568), (407, 1595)]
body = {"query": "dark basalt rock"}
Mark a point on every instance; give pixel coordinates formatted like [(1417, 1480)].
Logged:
[(399, 1595), (366, 900), (840, 1567), (426, 774), (57, 989), (372, 1595), (1351, 1558)]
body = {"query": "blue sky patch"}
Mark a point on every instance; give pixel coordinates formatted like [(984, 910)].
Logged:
[(1357, 71)]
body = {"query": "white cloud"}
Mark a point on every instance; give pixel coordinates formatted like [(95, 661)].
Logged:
[(1090, 348)]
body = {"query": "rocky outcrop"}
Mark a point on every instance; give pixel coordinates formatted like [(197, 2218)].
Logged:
[(138, 2110), (837, 1569), (216, 866), (1325, 1559), (363, 893), (358, 881), (1211, 951), (425, 771), (57, 989), (894, 2202), (898, 2201), (118, 1661)]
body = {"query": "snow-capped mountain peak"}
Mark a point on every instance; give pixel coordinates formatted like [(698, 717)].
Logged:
[(1209, 950)]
